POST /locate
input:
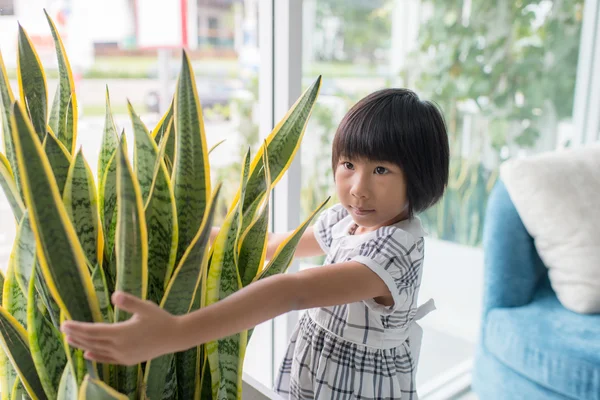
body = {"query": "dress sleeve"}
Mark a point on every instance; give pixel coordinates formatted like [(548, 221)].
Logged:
[(397, 258), (325, 223)]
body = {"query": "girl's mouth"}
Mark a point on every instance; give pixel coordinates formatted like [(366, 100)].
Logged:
[(361, 211)]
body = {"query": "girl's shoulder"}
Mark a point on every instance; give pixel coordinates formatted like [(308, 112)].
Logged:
[(331, 224)]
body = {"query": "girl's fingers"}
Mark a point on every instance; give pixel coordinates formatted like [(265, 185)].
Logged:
[(131, 304), (92, 330), (90, 345), (99, 357)]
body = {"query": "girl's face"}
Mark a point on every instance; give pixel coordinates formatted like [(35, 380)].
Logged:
[(373, 192)]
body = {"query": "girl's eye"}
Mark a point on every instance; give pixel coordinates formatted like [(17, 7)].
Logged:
[(348, 165), (381, 170)]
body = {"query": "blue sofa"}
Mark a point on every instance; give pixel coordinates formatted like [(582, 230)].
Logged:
[(530, 346)]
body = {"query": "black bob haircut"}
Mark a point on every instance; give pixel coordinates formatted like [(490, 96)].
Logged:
[(395, 126)]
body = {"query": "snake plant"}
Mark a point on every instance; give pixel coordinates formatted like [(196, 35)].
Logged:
[(142, 226)]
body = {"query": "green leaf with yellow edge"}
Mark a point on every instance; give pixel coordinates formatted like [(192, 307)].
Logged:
[(216, 145), (59, 158), (15, 343), (15, 302), (2, 279), (162, 127), (191, 172), (108, 204), (25, 264), (101, 287), (283, 143), (67, 388), (75, 358), (254, 238), (81, 203), (65, 125), (285, 252), (160, 376), (166, 128), (191, 363), (6, 100), (144, 153), (226, 355), (32, 84), (92, 389), (46, 297), (23, 255), (110, 142), (188, 363), (45, 344), (131, 250), (11, 191), (161, 221), (60, 254), (19, 392), (131, 242)]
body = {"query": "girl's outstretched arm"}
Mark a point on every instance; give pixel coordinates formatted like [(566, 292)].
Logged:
[(307, 247), (152, 332)]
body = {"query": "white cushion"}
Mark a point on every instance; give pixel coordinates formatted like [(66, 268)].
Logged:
[(557, 196)]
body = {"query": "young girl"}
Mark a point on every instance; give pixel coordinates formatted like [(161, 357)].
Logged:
[(359, 338)]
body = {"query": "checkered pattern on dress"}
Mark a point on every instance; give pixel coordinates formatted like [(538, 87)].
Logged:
[(320, 365), (335, 350)]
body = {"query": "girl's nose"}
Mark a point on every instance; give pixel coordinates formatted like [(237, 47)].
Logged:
[(360, 188)]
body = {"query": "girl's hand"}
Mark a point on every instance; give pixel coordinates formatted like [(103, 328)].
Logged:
[(149, 333)]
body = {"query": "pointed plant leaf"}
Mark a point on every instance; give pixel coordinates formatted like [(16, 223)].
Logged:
[(110, 142), (60, 254), (67, 102), (81, 203), (178, 300), (254, 241), (108, 207), (226, 355), (59, 158), (131, 249), (44, 291), (216, 145), (99, 280), (283, 143), (131, 241), (32, 84), (161, 220), (2, 279), (14, 299), (15, 343), (92, 389), (19, 392), (188, 363), (53, 119), (11, 191), (191, 363), (6, 100), (285, 252), (254, 236), (15, 302), (67, 388), (163, 125), (144, 153), (191, 173), (24, 253), (45, 343)]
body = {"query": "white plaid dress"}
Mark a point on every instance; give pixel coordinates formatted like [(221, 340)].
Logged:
[(362, 350)]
